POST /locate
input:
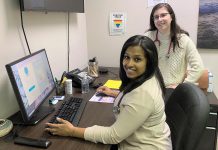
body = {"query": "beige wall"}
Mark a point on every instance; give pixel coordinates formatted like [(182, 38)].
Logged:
[(49, 31), (43, 30), (107, 48)]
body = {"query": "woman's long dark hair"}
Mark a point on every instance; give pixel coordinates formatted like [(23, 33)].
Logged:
[(152, 68), (175, 28)]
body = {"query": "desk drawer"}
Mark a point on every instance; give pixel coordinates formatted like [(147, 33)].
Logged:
[(212, 120), (214, 108), (208, 140)]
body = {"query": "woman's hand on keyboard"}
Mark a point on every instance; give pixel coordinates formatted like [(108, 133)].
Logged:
[(65, 128)]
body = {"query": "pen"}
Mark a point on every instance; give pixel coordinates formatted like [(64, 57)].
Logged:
[(100, 98), (56, 80), (62, 77)]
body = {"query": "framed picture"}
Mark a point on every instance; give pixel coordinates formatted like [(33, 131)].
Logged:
[(208, 24)]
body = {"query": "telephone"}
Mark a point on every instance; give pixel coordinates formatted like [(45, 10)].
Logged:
[(77, 75)]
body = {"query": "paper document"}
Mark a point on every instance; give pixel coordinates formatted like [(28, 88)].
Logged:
[(113, 84), (102, 99)]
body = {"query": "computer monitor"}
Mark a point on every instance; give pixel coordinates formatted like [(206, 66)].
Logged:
[(32, 81)]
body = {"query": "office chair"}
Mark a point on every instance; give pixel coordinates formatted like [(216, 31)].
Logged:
[(203, 83), (187, 111)]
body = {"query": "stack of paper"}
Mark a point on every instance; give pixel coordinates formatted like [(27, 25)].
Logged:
[(113, 84), (102, 99)]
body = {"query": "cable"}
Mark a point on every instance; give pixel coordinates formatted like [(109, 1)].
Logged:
[(13, 134), (21, 15), (68, 41)]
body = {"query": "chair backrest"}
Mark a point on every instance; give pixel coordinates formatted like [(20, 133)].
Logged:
[(187, 111)]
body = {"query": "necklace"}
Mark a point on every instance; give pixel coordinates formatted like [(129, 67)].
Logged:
[(159, 43)]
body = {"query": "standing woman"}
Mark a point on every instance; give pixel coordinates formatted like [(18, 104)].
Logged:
[(139, 107), (179, 60)]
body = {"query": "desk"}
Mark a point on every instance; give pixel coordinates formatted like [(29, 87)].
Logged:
[(208, 140), (94, 113), (105, 117)]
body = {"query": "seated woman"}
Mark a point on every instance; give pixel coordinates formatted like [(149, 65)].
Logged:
[(139, 107)]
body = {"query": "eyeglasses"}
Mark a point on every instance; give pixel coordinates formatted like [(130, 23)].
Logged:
[(163, 15)]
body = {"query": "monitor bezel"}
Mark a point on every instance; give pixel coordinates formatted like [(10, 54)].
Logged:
[(11, 76)]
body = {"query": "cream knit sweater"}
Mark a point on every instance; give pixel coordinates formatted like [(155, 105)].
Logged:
[(140, 125), (185, 59)]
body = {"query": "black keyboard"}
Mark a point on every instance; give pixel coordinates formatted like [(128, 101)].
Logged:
[(71, 110)]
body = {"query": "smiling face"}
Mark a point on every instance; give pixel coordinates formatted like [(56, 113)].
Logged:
[(134, 62), (162, 20)]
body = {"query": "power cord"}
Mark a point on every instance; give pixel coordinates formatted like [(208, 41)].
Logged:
[(21, 16), (12, 135), (68, 41)]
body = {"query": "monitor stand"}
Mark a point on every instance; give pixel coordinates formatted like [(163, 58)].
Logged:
[(40, 114)]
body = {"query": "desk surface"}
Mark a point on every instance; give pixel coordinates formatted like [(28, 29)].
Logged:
[(94, 114)]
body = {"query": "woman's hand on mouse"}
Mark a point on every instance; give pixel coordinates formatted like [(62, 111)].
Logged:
[(108, 91), (104, 89)]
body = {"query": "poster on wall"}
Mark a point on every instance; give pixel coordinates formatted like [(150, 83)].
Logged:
[(117, 23), (208, 24), (152, 3)]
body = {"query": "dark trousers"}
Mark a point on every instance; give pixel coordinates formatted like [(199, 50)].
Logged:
[(114, 147), (169, 91)]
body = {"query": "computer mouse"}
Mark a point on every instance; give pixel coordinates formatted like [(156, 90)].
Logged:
[(101, 94), (97, 85)]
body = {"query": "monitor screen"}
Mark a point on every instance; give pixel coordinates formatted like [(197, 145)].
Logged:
[(32, 81)]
